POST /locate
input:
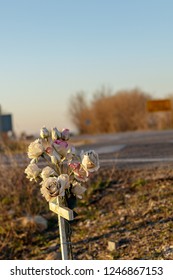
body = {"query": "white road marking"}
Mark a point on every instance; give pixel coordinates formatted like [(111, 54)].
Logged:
[(109, 149), (135, 160)]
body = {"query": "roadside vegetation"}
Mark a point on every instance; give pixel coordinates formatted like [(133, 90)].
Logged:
[(131, 208), (10, 146), (109, 111)]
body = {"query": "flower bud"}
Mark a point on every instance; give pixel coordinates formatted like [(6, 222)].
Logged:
[(56, 134), (65, 134), (44, 132)]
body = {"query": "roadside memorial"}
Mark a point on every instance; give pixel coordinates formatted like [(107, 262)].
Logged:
[(63, 178)]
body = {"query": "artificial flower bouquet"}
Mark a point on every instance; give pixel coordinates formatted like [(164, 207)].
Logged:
[(65, 172)]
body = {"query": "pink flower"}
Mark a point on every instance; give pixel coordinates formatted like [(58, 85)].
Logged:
[(61, 143), (48, 150), (75, 165), (79, 172), (61, 147)]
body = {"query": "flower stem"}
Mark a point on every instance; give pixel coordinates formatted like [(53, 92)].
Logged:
[(56, 168)]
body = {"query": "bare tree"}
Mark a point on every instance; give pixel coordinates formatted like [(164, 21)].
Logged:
[(79, 111)]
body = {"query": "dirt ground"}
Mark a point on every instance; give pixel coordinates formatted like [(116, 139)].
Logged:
[(132, 213), (125, 214)]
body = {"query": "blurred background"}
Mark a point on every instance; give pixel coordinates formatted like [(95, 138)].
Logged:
[(86, 65)]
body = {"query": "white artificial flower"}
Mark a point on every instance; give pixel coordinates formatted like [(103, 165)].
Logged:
[(56, 134), (60, 155), (47, 172), (32, 171), (90, 161), (35, 149), (50, 188), (78, 190), (54, 186)]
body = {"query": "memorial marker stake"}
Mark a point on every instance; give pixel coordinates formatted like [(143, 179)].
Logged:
[(63, 213)]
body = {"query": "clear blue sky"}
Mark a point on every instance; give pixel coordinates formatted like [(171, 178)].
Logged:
[(52, 49)]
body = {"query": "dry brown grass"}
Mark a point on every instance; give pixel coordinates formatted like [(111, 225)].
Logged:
[(18, 198), (10, 146), (134, 209)]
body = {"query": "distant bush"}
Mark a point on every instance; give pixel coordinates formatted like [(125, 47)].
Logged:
[(110, 112), (124, 110)]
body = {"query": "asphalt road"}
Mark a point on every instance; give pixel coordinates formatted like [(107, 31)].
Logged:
[(122, 150), (132, 149)]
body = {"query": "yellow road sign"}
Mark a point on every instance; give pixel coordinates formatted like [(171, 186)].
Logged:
[(159, 105)]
